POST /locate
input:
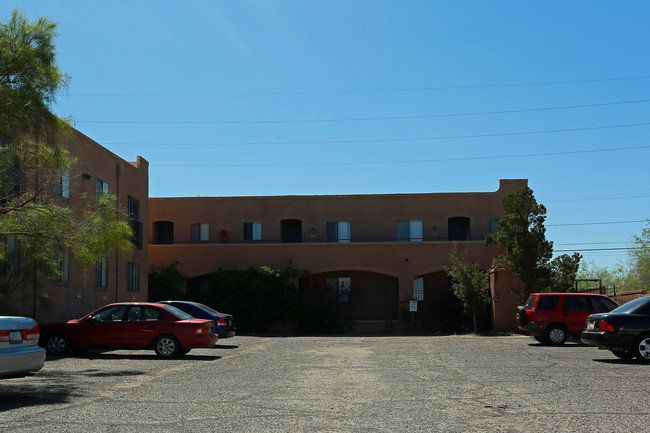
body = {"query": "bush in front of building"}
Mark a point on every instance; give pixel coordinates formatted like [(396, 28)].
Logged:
[(166, 282), (265, 300)]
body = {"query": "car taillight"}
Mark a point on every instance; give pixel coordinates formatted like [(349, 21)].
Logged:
[(221, 321), (31, 334), (605, 327), (4, 336), (204, 330)]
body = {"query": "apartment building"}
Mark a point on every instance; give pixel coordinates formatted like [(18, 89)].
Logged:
[(377, 253), (114, 279)]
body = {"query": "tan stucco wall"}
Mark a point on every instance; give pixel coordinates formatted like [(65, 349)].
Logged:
[(373, 223), (63, 301)]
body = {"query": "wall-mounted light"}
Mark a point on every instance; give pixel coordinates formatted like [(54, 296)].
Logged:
[(86, 176), (434, 230)]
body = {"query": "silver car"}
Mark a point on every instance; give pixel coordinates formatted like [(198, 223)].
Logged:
[(20, 353)]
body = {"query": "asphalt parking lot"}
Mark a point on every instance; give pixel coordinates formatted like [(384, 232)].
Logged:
[(336, 384)]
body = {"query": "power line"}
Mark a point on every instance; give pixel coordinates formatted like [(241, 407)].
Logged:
[(596, 223), (590, 243), (357, 119), (402, 161), (327, 92), (389, 140), (597, 249), (618, 197)]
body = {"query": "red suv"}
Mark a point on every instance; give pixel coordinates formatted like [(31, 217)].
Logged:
[(552, 317)]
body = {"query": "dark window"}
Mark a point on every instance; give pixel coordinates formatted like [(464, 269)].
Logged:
[(62, 184), (409, 230), (134, 208), (200, 232), (458, 229), (189, 309), (291, 231), (102, 188), (132, 277), (575, 303), (101, 273), (645, 310), (163, 232), (601, 305), (137, 233), (10, 247), (337, 231), (548, 302), (253, 231)]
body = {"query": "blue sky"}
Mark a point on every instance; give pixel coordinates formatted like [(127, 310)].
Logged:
[(241, 98)]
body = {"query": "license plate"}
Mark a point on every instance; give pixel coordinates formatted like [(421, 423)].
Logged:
[(15, 337)]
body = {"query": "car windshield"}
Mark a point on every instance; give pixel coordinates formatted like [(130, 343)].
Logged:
[(176, 312), (205, 307), (633, 306), (530, 301)]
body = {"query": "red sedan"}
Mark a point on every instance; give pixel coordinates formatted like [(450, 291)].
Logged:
[(131, 325)]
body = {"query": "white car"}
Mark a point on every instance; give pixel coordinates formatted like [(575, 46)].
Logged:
[(20, 353)]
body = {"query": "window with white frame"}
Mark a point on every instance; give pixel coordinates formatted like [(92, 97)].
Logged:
[(418, 289), (409, 231), (132, 277), (337, 231), (101, 273), (201, 232), (253, 231), (62, 185), (339, 288)]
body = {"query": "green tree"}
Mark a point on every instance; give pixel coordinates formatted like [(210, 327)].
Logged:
[(33, 162), (639, 260), (30, 79), (563, 271), (528, 253), (470, 285)]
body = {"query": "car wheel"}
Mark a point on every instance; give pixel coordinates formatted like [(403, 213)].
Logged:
[(642, 348), (167, 346), (555, 335), (623, 354), (57, 344)]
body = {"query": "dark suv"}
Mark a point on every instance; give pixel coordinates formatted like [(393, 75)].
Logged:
[(552, 317)]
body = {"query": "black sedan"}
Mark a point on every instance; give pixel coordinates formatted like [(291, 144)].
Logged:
[(223, 323), (625, 330)]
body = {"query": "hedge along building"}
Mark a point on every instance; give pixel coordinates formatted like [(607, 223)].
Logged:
[(80, 290), (375, 252)]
